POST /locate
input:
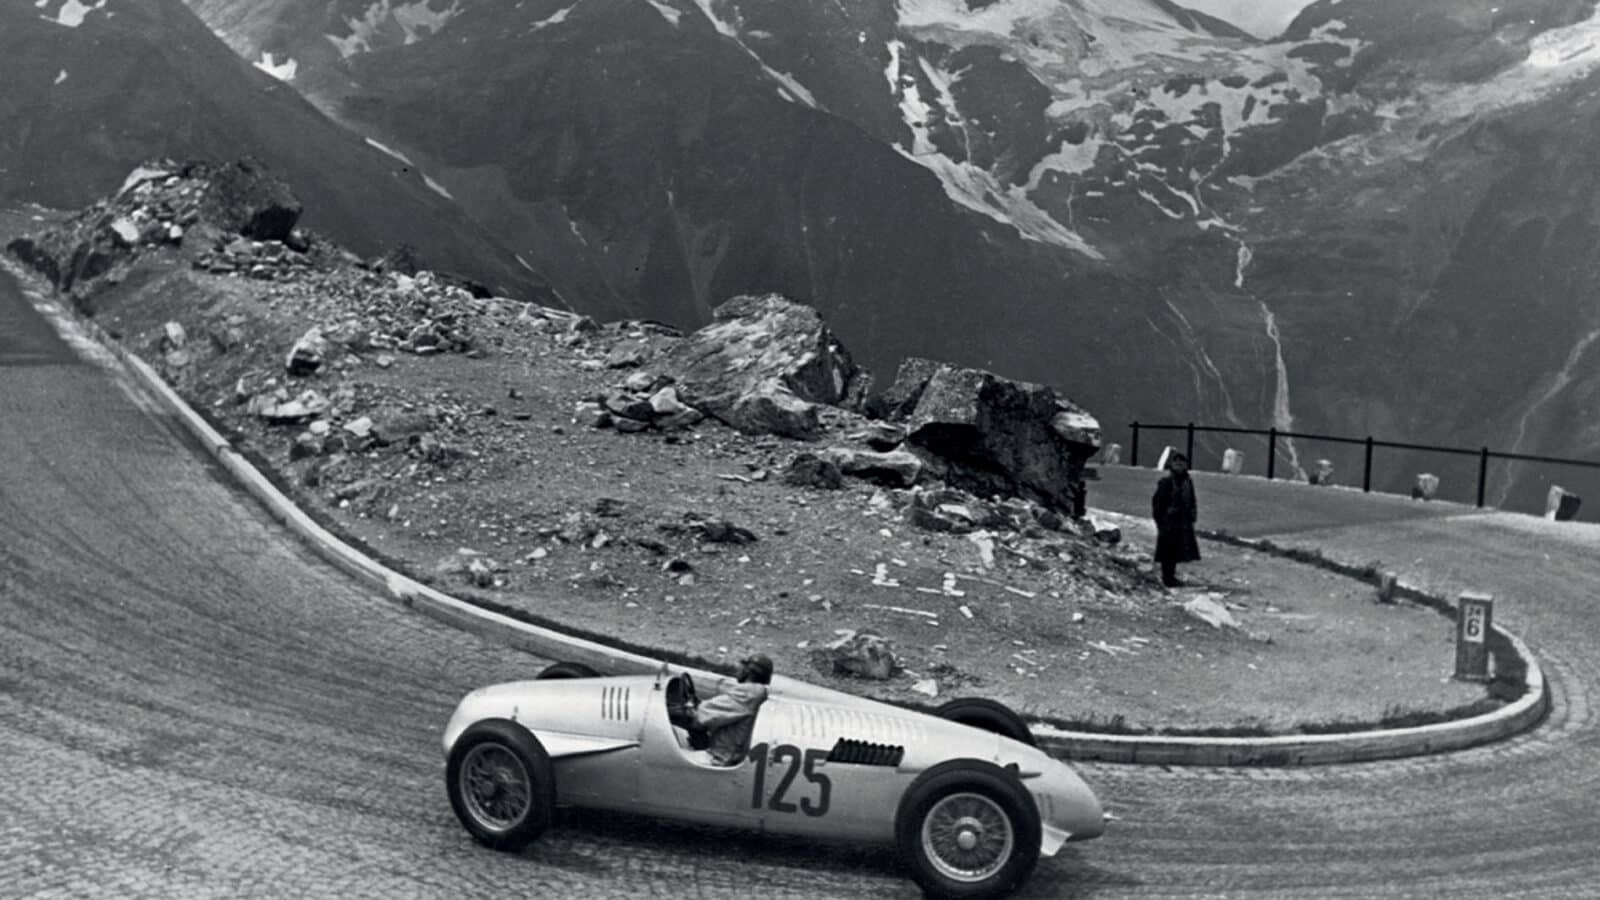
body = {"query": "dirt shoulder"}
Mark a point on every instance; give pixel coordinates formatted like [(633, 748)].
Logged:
[(641, 536)]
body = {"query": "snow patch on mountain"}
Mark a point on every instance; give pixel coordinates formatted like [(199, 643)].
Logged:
[(390, 151), (968, 185), (668, 12), (792, 89), (70, 13), (437, 188), (416, 20), (283, 71), (555, 18)]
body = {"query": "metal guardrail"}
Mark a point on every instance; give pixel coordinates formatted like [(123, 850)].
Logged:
[(1484, 454)]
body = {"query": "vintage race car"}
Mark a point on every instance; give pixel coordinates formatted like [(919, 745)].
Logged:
[(969, 809)]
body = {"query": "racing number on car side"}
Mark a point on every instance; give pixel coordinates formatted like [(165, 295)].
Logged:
[(799, 762)]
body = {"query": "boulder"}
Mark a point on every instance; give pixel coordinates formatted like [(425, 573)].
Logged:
[(1111, 455), (1323, 473), (762, 365), (896, 468), (665, 402), (992, 435), (900, 398), (862, 654), (242, 197), (1427, 485), (768, 408), (629, 426), (1561, 505), (308, 354), (813, 471)]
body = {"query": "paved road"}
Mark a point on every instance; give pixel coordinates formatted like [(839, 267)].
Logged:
[(191, 705)]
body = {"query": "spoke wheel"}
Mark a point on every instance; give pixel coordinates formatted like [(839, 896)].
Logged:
[(496, 787), (968, 830), (501, 783), (967, 837)]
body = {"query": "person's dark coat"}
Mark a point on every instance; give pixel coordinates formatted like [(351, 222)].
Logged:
[(1175, 510)]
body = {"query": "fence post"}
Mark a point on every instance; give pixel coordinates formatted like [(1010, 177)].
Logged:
[(1366, 472), (1483, 474), (1133, 455), (1189, 446), (1272, 452)]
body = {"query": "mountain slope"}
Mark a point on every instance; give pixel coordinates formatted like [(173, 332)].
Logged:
[(96, 89), (1377, 223)]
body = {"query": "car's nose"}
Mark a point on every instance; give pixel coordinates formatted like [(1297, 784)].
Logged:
[(1073, 806)]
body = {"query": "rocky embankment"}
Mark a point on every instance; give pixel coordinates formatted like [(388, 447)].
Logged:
[(741, 486)]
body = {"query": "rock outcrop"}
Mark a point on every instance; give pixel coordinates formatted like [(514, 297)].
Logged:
[(991, 435), (764, 365)]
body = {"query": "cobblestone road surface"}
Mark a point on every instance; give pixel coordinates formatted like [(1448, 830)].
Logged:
[(192, 705)]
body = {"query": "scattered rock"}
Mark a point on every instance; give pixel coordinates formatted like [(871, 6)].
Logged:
[(1388, 582), (665, 402), (173, 337), (895, 468), (591, 415), (928, 687), (609, 507), (361, 428), (628, 354), (1426, 487), (862, 654), (1209, 609), (308, 354), (275, 408), (810, 470), (645, 383), (882, 436)]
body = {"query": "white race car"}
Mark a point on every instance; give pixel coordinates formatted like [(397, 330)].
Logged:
[(970, 811)]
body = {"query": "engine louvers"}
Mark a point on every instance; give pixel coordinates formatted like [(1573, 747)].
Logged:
[(863, 753)]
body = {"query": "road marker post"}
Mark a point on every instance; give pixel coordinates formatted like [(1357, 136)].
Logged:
[(1474, 615)]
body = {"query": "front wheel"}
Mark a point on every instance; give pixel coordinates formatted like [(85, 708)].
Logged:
[(968, 830), (501, 784)]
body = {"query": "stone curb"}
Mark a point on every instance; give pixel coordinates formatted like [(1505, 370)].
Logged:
[(1308, 750), (1144, 749)]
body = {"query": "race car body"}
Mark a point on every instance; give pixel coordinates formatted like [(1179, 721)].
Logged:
[(970, 810)]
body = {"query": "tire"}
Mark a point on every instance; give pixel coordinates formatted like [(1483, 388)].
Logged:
[(566, 670), (988, 715), (1003, 820), (501, 784)]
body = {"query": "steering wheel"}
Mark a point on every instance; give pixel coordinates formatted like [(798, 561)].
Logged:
[(689, 695)]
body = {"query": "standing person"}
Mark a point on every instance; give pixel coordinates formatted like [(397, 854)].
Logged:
[(1175, 509)]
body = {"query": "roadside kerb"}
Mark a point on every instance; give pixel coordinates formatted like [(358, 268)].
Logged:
[(1321, 749), (457, 613)]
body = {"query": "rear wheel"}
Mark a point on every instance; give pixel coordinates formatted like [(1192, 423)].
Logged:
[(988, 715), (968, 830), (566, 670), (501, 784)]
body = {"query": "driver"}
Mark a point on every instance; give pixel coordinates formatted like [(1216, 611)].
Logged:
[(730, 716)]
